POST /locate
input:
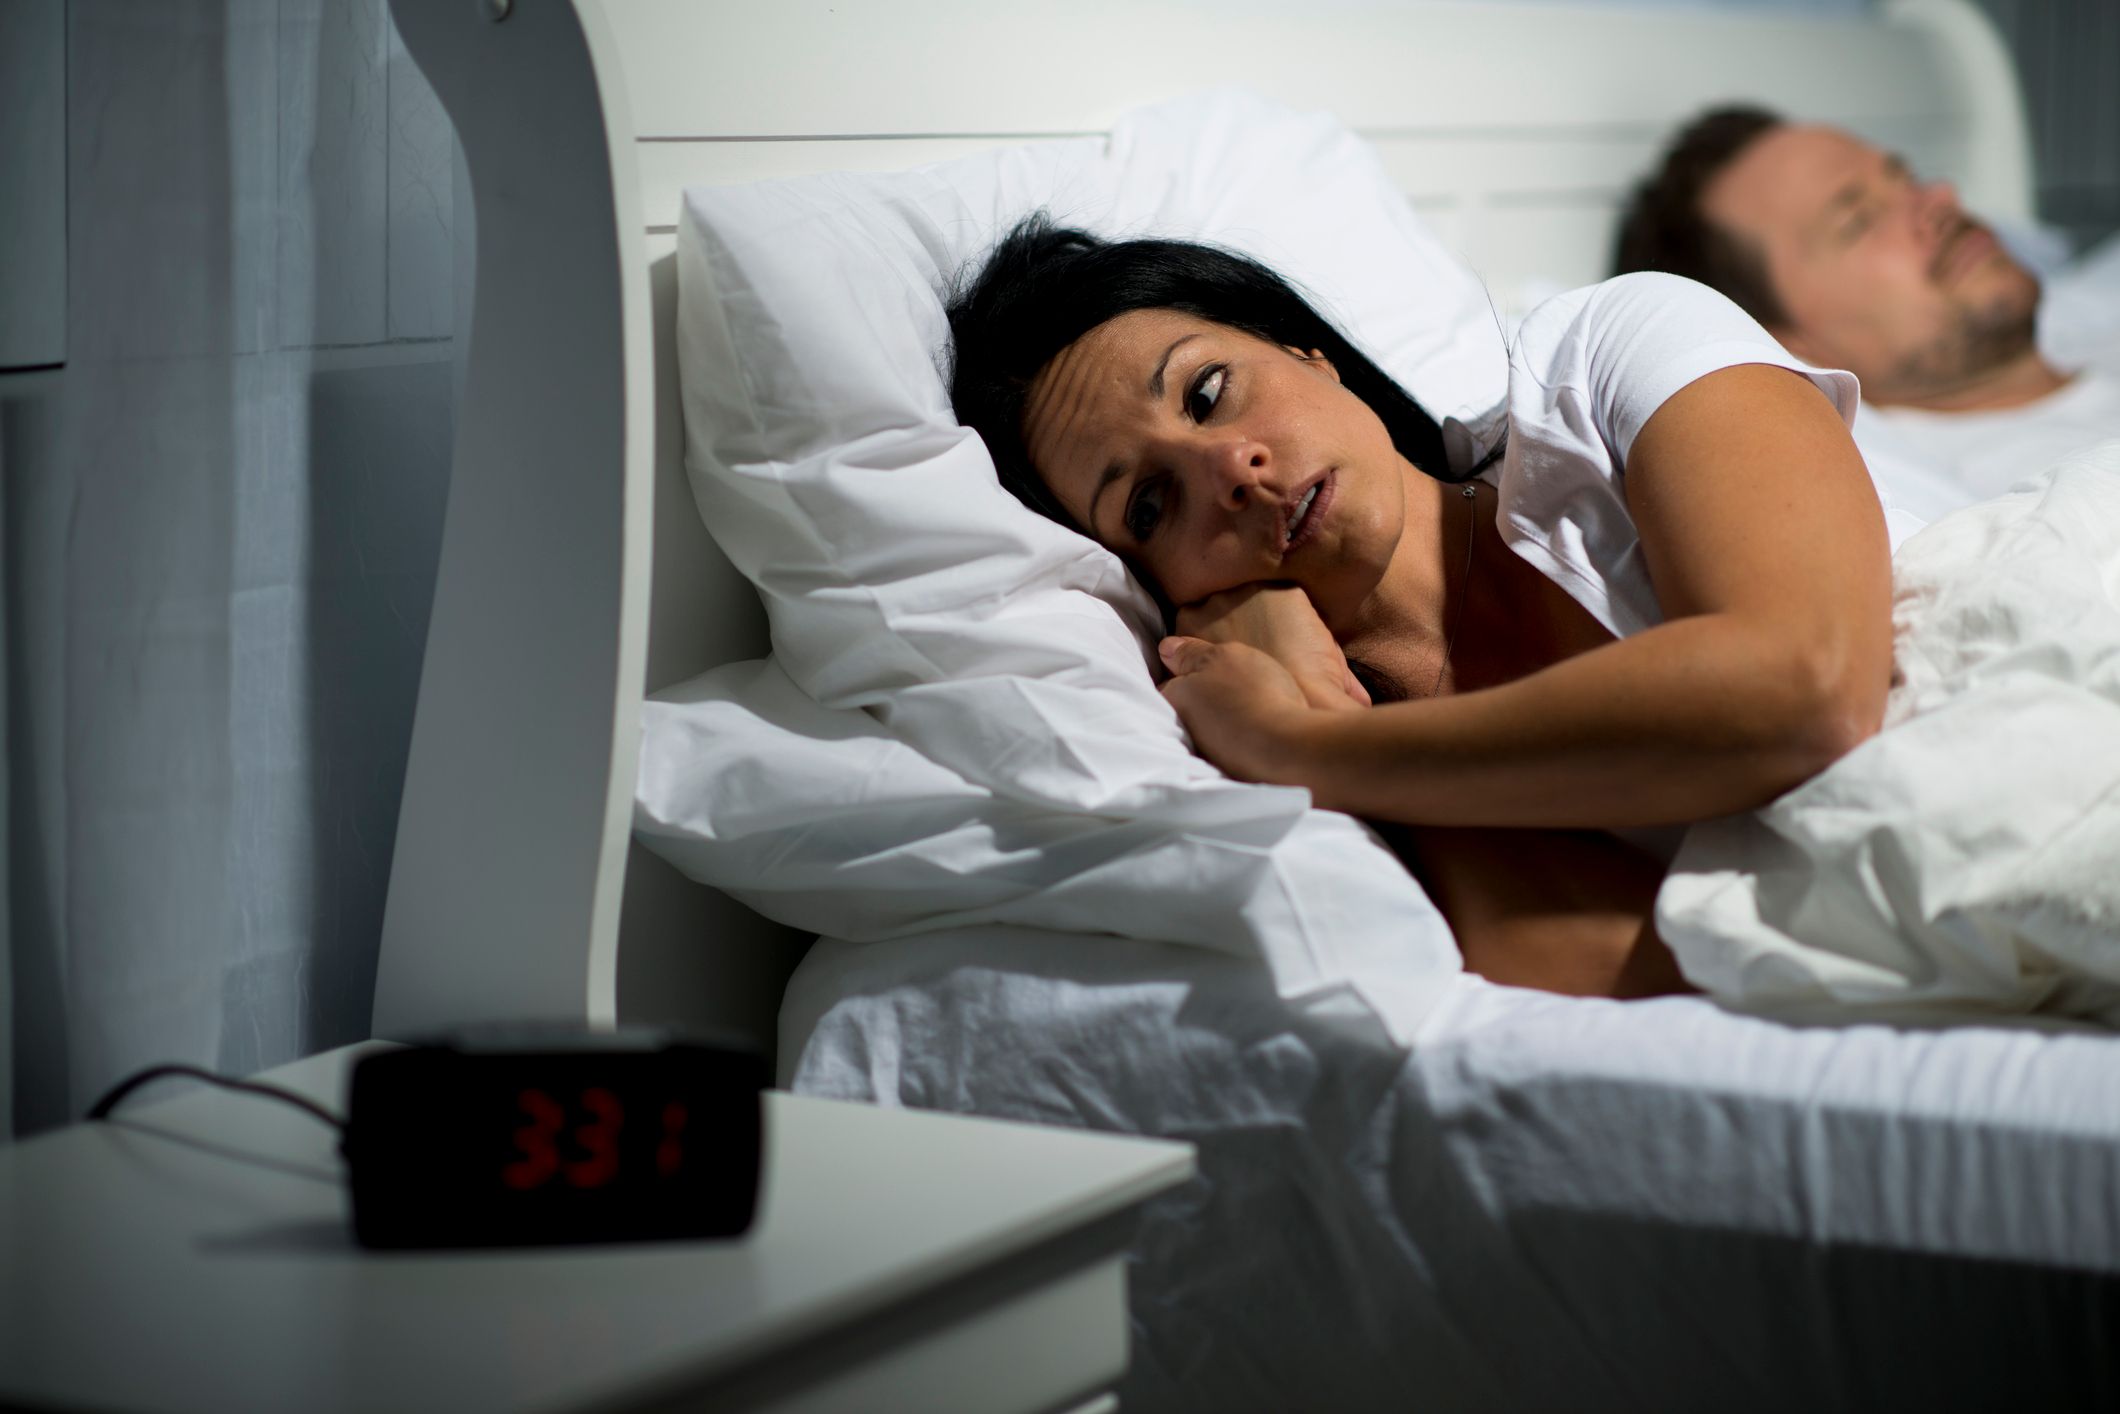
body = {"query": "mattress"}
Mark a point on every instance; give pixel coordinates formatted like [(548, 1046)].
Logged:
[(1547, 1202)]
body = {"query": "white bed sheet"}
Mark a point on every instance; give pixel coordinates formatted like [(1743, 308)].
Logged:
[(1550, 1202)]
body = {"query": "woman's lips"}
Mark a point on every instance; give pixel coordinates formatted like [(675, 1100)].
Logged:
[(1306, 529)]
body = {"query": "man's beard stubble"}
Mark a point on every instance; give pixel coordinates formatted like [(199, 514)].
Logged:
[(1981, 339)]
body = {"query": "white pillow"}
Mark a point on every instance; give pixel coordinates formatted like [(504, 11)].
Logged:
[(1006, 651), (822, 819)]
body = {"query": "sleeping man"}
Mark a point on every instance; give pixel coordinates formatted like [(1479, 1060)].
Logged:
[(1852, 261)]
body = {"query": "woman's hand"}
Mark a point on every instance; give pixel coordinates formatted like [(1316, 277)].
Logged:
[(1247, 666), (1243, 709), (1280, 621)]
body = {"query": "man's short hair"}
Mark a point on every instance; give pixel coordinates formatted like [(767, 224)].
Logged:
[(1663, 227)]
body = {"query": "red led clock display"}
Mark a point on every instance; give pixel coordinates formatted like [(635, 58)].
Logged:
[(489, 1144), (595, 1123)]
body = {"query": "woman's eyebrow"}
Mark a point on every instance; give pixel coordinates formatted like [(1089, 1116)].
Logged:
[(1155, 379)]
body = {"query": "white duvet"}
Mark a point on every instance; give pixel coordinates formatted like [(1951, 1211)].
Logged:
[(1969, 854)]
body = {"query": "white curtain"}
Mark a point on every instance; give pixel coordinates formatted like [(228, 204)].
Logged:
[(221, 520), (7, 971)]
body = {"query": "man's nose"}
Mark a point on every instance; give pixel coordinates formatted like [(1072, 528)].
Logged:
[(1936, 199)]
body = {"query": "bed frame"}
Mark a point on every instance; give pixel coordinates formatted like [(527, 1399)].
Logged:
[(575, 574)]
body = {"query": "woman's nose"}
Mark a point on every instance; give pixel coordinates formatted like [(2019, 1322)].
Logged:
[(1235, 467)]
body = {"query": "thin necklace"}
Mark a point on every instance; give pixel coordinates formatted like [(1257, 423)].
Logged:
[(1457, 613)]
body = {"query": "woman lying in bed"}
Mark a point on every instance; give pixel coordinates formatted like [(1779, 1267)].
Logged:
[(1664, 595)]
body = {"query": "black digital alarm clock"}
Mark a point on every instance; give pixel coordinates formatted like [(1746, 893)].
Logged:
[(535, 1136)]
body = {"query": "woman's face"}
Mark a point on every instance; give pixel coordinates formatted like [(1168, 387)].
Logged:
[(1210, 459)]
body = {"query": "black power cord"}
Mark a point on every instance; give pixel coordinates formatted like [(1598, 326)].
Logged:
[(102, 1108)]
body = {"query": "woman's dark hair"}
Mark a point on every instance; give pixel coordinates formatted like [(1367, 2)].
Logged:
[(1045, 286)]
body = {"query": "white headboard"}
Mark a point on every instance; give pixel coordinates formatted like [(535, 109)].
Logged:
[(575, 574)]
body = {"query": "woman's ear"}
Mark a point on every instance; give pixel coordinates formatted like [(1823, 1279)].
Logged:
[(1317, 358)]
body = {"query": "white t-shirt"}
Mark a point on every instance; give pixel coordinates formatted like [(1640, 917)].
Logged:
[(1934, 462), (1588, 370)]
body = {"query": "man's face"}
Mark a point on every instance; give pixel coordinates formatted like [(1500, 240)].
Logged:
[(1877, 272)]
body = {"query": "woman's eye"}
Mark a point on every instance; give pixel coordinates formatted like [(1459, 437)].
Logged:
[(1205, 392), (1144, 512)]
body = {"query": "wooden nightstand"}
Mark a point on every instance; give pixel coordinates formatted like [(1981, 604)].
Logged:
[(194, 1255)]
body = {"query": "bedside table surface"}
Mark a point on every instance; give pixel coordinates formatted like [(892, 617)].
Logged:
[(195, 1255)]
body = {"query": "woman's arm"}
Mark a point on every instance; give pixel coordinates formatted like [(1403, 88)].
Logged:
[(1766, 545)]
